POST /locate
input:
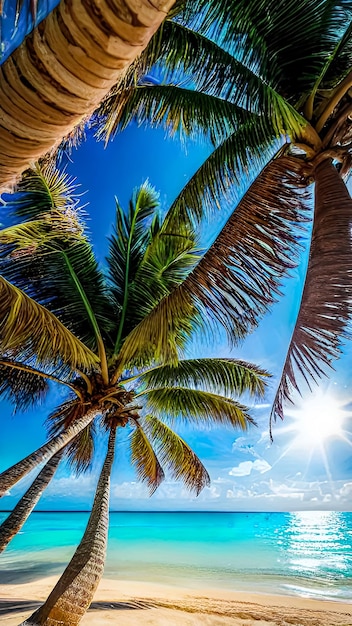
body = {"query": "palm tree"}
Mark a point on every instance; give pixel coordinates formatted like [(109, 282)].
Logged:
[(63, 69), (115, 340), (269, 84)]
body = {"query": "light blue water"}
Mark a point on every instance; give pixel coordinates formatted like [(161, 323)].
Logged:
[(308, 554)]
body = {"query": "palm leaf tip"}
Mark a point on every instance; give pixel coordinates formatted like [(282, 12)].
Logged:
[(145, 460), (176, 454)]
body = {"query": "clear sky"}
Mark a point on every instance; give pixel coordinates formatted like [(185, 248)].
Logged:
[(309, 464)]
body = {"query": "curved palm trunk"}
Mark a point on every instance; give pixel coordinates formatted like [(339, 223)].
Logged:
[(73, 593), (11, 476), (63, 70), (14, 522), (325, 310)]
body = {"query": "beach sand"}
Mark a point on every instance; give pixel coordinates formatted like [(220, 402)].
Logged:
[(127, 603)]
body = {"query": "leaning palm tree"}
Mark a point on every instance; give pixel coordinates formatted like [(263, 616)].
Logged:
[(269, 84), (116, 342), (63, 69)]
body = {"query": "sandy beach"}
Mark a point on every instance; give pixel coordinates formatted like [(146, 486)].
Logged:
[(129, 603)]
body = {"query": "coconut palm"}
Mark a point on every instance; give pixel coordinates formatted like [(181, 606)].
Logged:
[(116, 342), (269, 85), (63, 69)]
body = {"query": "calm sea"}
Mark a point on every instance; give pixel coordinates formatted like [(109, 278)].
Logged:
[(308, 554)]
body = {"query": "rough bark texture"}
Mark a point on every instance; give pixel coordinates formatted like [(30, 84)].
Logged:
[(11, 476), (73, 593), (326, 303), (62, 71), (14, 522)]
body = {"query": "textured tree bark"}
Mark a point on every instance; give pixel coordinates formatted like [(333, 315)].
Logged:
[(62, 71), (11, 476), (14, 522), (73, 593), (326, 304)]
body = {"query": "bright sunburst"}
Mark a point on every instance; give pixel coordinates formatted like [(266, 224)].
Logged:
[(319, 419), (313, 423)]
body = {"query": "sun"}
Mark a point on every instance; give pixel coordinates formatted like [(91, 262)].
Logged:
[(319, 419)]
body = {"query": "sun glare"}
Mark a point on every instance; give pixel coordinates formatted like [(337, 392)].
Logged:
[(319, 419)]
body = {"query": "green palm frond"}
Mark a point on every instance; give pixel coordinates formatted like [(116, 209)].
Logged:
[(274, 36), (42, 189), (224, 376), (174, 108), (145, 460), (177, 456), (196, 113), (339, 62), (131, 236), (222, 176), (52, 260), (23, 388), (29, 330), (196, 406), (34, 234), (202, 64), (127, 248), (161, 334), (324, 315), (167, 261)]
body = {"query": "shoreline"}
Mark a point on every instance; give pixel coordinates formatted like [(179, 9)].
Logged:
[(154, 604)]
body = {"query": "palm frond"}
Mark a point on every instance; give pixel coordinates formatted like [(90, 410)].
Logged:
[(161, 334), (23, 388), (145, 460), (226, 376), (175, 108), (196, 406), (239, 276), (42, 189), (34, 234), (52, 260), (221, 178), (177, 456), (80, 451), (168, 259), (327, 295), (127, 247), (63, 416), (278, 38), (29, 330)]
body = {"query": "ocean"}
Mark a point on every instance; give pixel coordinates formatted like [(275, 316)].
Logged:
[(307, 554)]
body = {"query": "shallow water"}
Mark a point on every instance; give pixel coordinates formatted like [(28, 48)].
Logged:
[(306, 554)]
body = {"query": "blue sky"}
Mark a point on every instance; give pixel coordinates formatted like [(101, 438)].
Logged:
[(309, 464), (298, 471)]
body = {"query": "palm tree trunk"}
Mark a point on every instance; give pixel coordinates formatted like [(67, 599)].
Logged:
[(63, 70), (11, 476), (325, 310), (73, 593), (14, 522)]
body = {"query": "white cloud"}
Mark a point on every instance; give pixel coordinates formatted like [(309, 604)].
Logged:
[(246, 467)]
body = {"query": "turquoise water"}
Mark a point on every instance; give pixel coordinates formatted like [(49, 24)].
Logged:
[(307, 554)]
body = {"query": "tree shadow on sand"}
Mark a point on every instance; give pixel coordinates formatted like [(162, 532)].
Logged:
[(19, 606)]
